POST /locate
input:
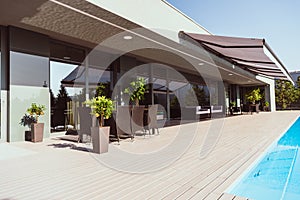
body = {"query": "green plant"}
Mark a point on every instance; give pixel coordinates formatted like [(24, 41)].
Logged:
[(27, 120), (136, 90), (102, 89), (102, 108), (36, 111), (254, 96), (267, 104), (285, 93), (232, 104)]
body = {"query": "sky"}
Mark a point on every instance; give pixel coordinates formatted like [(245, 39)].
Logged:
[(277, 21), (59, 71)]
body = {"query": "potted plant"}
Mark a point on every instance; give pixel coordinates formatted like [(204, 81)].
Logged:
[(102, 108), (136, 90), (266, 107), (37, 129), (26, 121), (232, 106), (253, 97)]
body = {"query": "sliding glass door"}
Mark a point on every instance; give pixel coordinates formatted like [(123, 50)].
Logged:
[(65, 96)]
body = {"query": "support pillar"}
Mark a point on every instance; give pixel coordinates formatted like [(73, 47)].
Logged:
[(238, 96)]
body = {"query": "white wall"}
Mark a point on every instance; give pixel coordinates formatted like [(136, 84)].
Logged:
[(156, 15), (21, 98), (269, 91), (4, 102)]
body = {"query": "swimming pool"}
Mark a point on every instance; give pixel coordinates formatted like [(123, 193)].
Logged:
[(277, 174)]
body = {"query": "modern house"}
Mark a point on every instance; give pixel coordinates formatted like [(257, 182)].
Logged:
[(70, 46)]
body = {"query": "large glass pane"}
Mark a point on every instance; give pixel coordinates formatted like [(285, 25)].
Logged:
[(65, 95), (29, 70), (68, 92), (29, 82)]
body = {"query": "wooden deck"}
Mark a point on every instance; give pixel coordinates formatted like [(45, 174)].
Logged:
[(57, 169)]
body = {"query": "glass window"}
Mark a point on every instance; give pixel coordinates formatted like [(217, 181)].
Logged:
[(29, 70), (65, 95), (68, 91)]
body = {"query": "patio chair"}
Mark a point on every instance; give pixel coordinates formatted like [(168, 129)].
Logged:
[(123, 121), (216, 111), (188, 113), (201, 110), (137, 120), (152, 118), (85, 118)]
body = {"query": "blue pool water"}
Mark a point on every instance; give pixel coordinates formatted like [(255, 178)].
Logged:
[(277, 175)]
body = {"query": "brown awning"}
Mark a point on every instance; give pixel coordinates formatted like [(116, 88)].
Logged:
[(248, 53), (77, 77)]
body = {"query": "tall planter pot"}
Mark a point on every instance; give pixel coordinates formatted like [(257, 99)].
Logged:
[(100, 139), (37, 132)]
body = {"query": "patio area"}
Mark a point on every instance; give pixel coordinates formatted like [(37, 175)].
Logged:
[(59, 169)]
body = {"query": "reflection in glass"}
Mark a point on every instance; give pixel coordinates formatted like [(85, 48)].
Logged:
[(68, 92), (62, 96), (172, 90), (28, 69)]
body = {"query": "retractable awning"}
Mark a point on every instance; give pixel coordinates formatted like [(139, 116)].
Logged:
[(77, 77), (248, 53)]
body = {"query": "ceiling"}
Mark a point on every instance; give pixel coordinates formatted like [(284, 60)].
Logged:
[(84, 24)]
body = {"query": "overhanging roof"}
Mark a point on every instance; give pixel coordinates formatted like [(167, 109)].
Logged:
[(248, 53), (93, 25)]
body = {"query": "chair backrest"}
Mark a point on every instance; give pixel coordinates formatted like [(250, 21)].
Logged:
[(86, 121), (216, 109), (152, 116), (137, 118), (198, 108), (123, 121)]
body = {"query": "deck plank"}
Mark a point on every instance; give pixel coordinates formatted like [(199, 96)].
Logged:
[(57, 171), (226, 196)]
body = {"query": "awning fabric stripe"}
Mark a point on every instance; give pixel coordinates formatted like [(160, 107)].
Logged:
[(247, 53)]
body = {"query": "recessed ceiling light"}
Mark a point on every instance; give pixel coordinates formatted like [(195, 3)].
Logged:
[(230, 74), (249, 81), (127, 37), (67, 57), (200, 64), (233, 66)]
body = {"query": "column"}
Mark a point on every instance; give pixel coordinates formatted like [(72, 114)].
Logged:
[(238, 96), (86, 74), (4, 84), (168, 96)]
